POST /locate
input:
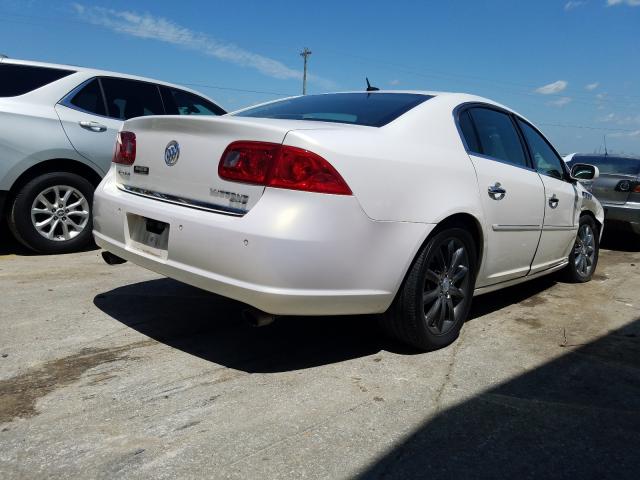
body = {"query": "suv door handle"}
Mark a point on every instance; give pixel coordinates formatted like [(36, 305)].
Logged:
[(93, 126), (553, 201), (496, 192)]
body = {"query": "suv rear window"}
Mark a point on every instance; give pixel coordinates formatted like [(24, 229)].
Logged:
[(610, 165), (20, 79), (369, 109)]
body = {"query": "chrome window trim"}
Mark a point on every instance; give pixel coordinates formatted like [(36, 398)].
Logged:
[(183, 202), (66, 100)]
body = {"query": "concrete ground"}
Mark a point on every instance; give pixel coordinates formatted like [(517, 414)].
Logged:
[(116, 372)]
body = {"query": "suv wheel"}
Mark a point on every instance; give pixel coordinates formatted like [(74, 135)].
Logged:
[(52, 213)]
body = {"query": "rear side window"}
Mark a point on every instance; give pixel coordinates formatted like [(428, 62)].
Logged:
[(90, 99), (129, 98), (469, 132), (369, 109), (497, 136), (611, 165), (179, 102), (545, 159), (20, 79)]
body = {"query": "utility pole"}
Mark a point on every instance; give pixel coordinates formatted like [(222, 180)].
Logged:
[(304, 54)]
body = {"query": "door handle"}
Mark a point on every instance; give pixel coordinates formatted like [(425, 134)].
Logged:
[(93, 126), (496, 192), (553, 201)]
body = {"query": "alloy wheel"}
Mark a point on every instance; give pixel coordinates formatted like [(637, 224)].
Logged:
[(446, 286), (584, 250), (60, 213)]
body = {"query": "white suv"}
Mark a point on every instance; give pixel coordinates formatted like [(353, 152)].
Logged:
[(58, 126)]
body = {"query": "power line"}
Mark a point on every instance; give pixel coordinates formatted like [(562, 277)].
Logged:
[(586, 127), (233, 89)]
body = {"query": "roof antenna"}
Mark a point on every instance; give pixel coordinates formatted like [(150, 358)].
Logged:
[(604, 137), (370, 88)]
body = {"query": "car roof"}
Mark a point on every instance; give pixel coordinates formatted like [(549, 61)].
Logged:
[(102, 73)]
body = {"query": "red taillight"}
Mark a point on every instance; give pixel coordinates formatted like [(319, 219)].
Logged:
[(248, 162), (637, 188), (281, 166), (125, 151)]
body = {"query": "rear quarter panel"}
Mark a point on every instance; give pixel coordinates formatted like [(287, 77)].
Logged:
[(414, 169), (31, 133)]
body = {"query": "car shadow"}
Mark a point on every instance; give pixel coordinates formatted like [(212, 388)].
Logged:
[(211, 327), (577, 416)]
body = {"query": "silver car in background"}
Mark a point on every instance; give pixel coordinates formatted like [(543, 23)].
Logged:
[(58, 126), (617, 187)]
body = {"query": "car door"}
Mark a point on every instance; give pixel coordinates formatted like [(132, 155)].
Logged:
[(85, 121), (93, 114), (561, 201), (511, 193)]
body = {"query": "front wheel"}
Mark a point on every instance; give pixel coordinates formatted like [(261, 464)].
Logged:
[(583, 258), (52, 213), (434, 301)]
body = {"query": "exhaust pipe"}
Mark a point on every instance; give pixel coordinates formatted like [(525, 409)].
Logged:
[(111, 259), (257, 318)]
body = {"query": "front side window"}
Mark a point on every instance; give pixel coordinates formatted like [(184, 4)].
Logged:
[(89, 98), (179, 102), (369, 109), (129, 98), (497, 136), (20, 79), (545, 159)]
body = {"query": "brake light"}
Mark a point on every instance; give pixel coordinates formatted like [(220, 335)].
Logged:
[(280, 166), (125, 151), (637, 188)]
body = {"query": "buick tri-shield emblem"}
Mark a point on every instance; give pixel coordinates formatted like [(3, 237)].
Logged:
[(172, 153)]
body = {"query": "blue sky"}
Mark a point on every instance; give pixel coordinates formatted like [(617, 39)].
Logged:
[(572, 67)]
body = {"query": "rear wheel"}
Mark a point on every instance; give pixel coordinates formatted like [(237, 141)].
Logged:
[(435, 298), (583, 258), (52, 213)]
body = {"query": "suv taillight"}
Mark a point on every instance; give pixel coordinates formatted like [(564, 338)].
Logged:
[(125, 151), (281, 166)]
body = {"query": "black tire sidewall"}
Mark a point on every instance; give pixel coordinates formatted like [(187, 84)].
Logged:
[(413, 294), (20, 213)]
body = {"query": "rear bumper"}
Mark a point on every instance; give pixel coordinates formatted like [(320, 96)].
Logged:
[(294, 253), (629, 212)]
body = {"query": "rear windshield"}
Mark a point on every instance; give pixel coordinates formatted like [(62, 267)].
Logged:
[(369, 109), (20, 79), (610, 165)]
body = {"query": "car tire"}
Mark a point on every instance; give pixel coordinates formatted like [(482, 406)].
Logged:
[(434, 300), (52, 213), (583, 258)]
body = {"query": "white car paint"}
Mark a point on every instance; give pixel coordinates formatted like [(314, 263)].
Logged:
[(294, 252)]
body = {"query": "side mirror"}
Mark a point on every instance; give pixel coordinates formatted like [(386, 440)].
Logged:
[(583, 171)]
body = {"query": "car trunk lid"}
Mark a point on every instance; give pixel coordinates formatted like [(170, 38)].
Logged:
[(177, 160)]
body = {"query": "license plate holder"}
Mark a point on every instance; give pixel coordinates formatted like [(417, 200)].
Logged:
[(148, 235)]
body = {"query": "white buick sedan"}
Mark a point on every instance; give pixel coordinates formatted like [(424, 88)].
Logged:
[(405, 204)]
